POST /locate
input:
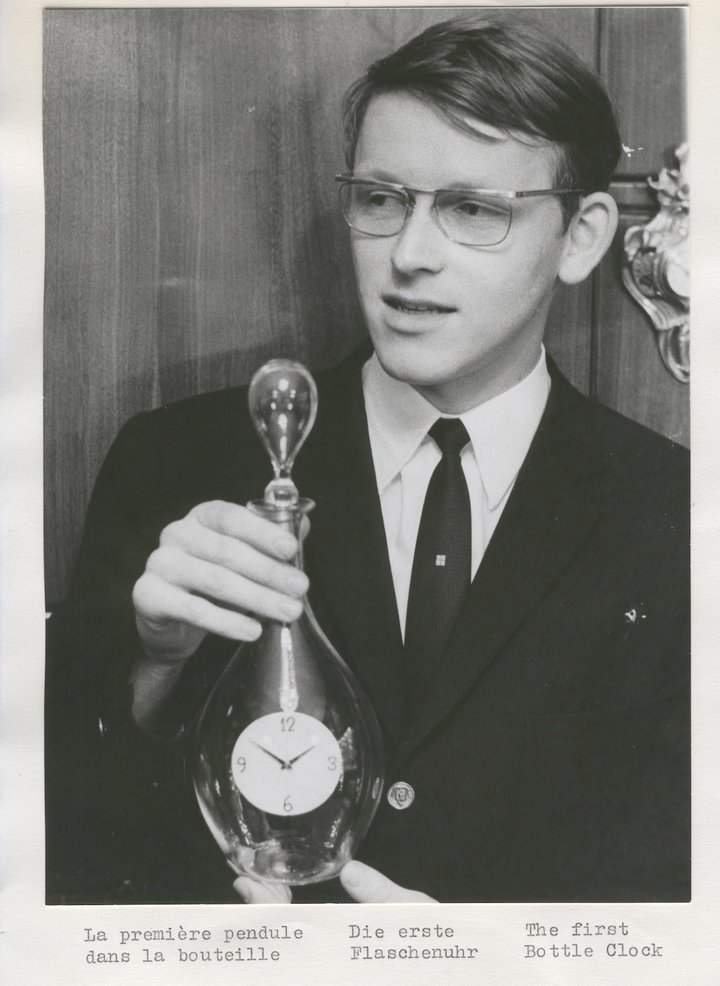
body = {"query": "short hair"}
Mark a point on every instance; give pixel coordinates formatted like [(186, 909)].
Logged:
[(514, 77)]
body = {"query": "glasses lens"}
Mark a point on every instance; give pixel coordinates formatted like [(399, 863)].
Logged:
[(372, 208), (473, 218)]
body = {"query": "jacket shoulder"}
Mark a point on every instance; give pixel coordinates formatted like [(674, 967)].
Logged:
[(630, 450), (641, 459), (199, 416)]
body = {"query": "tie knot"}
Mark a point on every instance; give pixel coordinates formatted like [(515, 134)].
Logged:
[(450, 435)]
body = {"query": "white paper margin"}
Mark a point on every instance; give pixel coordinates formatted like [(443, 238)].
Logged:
[(42, 945)]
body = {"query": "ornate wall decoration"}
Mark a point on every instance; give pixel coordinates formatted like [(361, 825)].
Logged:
[(656, 266)]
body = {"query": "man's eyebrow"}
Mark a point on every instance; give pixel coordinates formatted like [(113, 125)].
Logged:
[(379, 174), (477, 184)]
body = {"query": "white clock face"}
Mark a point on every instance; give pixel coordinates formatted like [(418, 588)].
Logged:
[(286, 763)]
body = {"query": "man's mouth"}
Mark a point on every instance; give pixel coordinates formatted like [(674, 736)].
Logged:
[(416, 306)]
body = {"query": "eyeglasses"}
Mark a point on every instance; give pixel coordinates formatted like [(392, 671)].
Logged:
[(471, 216)]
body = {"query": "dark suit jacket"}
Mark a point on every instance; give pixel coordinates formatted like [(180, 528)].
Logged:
[(550, 760)]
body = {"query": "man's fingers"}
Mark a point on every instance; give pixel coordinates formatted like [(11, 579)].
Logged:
[(238, 522), (367, 886), (254, 892), (220, 585), (221, 569), (158, 603), (234, 555)]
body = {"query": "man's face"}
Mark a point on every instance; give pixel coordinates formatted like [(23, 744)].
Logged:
[(460, 323)]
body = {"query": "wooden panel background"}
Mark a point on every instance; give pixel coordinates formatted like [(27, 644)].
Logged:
[(191, 225)]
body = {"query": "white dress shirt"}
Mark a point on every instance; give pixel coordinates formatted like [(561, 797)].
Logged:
[(404, 457)]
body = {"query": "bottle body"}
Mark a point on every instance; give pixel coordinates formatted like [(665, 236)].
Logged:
[(288, 768)]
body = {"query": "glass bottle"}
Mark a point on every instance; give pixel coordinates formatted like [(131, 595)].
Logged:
[(288, 769)]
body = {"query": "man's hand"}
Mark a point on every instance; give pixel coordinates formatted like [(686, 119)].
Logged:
[(364, 884), (368, 886), (217, 570), (256, 892)]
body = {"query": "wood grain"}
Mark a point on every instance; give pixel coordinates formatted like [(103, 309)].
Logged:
[(643, 59), (629, 374), (191, 220)]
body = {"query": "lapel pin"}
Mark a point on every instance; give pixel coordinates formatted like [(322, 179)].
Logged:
[(634, 616)]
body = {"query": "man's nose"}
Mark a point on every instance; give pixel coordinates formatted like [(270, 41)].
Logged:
[(420, 244)]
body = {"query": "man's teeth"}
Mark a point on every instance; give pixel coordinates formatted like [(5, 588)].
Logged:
[(404, 307)]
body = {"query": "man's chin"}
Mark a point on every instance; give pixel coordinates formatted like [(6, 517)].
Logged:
[(404, 368), (406, 360)]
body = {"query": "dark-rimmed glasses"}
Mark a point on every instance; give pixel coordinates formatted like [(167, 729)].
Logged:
[(471, 216)]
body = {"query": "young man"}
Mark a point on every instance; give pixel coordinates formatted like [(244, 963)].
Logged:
[(543, 732)]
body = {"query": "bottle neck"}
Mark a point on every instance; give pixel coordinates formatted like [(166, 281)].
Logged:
[(286, 516)]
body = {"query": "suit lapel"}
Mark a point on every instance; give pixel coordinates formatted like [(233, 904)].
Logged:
[(346, 552), (556, 502), (558, 498)]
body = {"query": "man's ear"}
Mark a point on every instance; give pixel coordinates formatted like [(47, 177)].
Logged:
[(588, 237)]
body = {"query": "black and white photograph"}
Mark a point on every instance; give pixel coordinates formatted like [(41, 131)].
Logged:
[(355, 482), (406, 620)]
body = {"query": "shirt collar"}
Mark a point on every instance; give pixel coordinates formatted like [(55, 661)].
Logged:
[(500, 429)]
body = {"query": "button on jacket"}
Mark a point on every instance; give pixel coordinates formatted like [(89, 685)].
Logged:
[(550, 759)]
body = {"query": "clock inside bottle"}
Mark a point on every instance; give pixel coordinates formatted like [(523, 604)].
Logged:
[(288, 768)]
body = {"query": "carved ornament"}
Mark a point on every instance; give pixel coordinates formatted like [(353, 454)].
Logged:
[(656, 266)]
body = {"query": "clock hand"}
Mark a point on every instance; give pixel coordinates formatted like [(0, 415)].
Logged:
[(295, 759), (284, 763)]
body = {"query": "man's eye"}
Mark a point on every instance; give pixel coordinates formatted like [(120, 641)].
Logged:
[(478, 208), (381, 199)]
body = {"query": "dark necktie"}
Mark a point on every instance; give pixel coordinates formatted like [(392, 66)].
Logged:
[(441, 563)]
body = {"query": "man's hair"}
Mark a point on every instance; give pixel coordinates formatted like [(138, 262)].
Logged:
[(513, 77)]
